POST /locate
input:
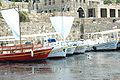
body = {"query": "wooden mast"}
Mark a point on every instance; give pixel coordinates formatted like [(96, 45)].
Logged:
[(19, 27)]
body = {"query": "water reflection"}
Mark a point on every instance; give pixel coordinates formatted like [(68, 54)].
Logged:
[(88, 66)]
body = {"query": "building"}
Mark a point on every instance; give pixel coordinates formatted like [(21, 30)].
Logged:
[(81, 8)]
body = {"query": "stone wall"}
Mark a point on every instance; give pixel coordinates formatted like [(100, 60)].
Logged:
[(40, 23)]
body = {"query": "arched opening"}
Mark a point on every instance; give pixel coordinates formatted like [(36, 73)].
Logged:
[(81, 13)]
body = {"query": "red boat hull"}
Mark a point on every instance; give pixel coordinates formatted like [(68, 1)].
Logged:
[(26, 56)]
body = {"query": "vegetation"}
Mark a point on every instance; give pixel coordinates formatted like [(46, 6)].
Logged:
[(0, 3), (117, 1), (0, 7), (24, 16), (107, 2), (111, 1)]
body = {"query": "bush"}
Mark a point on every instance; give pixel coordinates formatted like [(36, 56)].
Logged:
[(117, 1), (107, 2), (0, 3), (24, 16)]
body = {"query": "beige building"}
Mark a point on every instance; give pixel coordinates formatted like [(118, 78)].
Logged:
[(81, 8)]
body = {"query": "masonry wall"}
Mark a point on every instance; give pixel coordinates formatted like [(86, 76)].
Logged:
[(40, 23)]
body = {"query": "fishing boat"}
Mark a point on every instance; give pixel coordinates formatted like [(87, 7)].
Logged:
[(62, 25), (23, 53), (118, 45), (90, 42), (107, 40), (20, 52), (69, 48), (80, 47), (58, 51)]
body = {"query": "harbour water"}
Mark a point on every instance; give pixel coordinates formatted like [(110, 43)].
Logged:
[(88, 66)]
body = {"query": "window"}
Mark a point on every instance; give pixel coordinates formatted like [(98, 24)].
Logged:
[(45, 11), (118, 13), (103, 12), (62, 1), (50, 11), (76, 0), (81, 13), (53, 1), (49, 2), (45, 1), (83, 1), (68, 9), (91, 12), (112, 12)]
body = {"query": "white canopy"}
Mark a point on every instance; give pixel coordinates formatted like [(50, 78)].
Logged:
[(11, 17), (62, 24)]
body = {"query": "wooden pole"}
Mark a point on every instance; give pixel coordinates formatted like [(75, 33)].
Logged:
[(20, 28)]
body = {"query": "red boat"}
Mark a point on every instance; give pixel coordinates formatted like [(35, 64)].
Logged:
[(23, 52), (26, 52)]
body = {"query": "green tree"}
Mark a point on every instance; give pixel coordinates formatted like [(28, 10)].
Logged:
[(117, 1), (107, 2), (0, 8), (0, 3), (24, 16)]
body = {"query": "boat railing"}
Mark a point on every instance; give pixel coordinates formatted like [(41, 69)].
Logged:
[(19, 48)]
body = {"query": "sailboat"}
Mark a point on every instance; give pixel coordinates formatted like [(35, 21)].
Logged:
[(20, 52), (62, 25)]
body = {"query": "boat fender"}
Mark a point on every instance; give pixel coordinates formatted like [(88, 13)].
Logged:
[(32, 54)]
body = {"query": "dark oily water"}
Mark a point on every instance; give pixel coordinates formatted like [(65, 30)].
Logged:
[(88, 66)]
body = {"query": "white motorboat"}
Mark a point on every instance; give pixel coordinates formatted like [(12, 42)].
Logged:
[(69, 48), (80, 47), (62, 25), (107, 40)]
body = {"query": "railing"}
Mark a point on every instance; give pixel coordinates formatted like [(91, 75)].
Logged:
[(19, 48)]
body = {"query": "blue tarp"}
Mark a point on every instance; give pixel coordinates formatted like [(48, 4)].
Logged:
[(51, 40)]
